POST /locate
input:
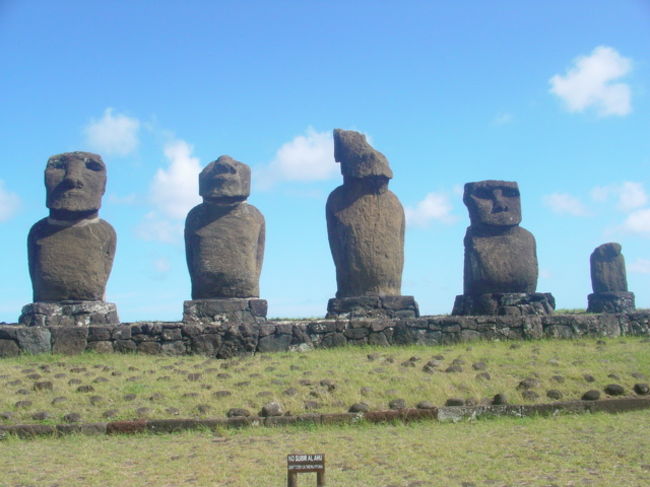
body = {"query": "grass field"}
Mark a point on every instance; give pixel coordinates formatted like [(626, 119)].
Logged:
[(588, 450), (46, 389)]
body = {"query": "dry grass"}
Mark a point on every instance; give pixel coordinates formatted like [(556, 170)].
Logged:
[(589, 450), (186, 386)]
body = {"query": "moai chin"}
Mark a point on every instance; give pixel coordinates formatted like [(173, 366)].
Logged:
[(71, 251), (365, 227), (224, 246), (500, 270), (609, 281)]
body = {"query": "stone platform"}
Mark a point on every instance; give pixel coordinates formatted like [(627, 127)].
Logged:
[(225, 311), (611, 302), (69, 314), (504, 304), (373, 307)]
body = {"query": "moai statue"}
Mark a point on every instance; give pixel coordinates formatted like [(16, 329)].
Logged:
[(609, 281), (224, 245), (71, 251), (365, 226), (500, 272)]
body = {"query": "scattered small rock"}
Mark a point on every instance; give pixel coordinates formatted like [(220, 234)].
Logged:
[(529, 395), (614, 390), (592, 395), (238, 412), (23, 404), (111, 413), (312, 405), (41, 415), (483, 376), (558, 378), (365, 391), (203, 408), (143, 412), (86, 388), (479, 366), (73, 382), (220, 394), (454, 401), (614, 376), (454, 369), (425, 405), (6, 415), (94, 400), (172, 411), (292, 391), (397, 404), (642, 389), (589, 378), (271, 409), (58, 400), (499, 399), (359, 407), (72, 417), (129, 397), (554, 394), (194, 377)]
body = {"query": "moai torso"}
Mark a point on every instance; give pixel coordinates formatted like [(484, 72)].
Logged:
[(71, 252), (608, 269), (224, 236), (365, 221), (500, 256)]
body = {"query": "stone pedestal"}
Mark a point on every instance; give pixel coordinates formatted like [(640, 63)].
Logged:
[(69, 314), (373, 306), (224, 311), (611, 302), (504, 304)]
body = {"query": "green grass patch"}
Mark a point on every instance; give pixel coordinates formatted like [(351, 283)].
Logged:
[(116, 387), (587, 450)]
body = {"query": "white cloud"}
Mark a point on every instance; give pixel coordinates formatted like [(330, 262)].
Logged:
[(589, 83), (638, 222), (434, 207), (640, 266), (630, 195), (565, 204), (162, 265), (9, 202), (113, 134), (175, 190), (127, 200), (308, 157), (156, 229)]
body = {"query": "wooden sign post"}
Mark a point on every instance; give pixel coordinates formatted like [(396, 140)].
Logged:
[(303, 463)]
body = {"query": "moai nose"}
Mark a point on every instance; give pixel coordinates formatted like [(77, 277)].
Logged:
[(74, 173), (500, 203)]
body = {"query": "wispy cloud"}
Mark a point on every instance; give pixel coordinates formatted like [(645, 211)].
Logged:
[(630, 195), (590, 83), (638, 222), (434, 207), (154, 228), (175, 190), (9, 202), (113, 134), (308, 157), (565, 204)]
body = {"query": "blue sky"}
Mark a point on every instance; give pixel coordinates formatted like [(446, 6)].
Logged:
[(554, 95)]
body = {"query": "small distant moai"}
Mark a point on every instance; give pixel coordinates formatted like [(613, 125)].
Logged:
[(71, 251), (224, 246), (365, 226), (609, 281), (500, 271)]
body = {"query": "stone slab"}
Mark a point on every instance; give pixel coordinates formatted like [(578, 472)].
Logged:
[(504, 304), (225, 311), (69, 314), (373, 307), (611, 302)]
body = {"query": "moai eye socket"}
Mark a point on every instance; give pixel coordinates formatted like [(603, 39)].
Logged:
[(510, 192), (93, 165), (55, 164), (483, 193)]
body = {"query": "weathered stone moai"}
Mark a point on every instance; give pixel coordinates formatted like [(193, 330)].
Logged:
[(365, 226), (71, 251), (500, 271), (609, 281), (224, 245)]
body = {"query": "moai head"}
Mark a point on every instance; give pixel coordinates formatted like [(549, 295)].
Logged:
[(225, 180), (358, 159), (608, 269), (493, 203), (75, 183)]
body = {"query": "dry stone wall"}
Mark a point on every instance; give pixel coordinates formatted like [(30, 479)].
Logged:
[(223, 341)]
